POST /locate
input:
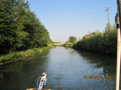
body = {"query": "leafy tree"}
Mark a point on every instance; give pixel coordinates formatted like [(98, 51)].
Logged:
[(20, 29), (105, 42), (109, 41), (66, 44), (7, 27), (72, 39)]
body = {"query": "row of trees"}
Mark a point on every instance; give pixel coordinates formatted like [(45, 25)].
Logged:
[(105, 42), (20, 29), (71, 40), (56, 42)]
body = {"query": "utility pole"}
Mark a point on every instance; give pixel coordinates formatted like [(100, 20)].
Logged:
[(118, 52), (108, 13), (118, 22)]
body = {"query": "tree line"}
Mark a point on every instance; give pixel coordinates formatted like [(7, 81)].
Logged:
[(71, 40), (56, 42), (20, 29), (105, 42)]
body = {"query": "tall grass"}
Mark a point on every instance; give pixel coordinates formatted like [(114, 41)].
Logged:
[(16, 56)]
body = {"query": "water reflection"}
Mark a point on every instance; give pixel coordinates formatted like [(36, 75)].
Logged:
[(101, 65), (65, 68), (22, 75), (108, 63)]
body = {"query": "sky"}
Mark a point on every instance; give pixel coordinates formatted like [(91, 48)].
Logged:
[(65, 18)]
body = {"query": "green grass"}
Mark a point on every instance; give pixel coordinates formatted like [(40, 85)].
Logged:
[(21, 55)]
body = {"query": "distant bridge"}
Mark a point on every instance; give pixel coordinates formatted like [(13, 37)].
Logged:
[(59, 44)]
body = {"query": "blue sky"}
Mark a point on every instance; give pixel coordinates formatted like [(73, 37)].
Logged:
[(64, 18)]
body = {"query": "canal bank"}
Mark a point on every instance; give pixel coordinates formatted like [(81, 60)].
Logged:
[(21, 55)]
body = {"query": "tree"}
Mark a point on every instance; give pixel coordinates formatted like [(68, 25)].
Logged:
[(7, 27), (20, 29), (66, 44), (72, 39), (105, 42)]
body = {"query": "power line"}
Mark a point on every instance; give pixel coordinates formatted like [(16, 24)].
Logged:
[(85, 14), (80, 16)]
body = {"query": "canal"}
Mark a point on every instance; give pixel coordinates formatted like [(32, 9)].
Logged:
[(66, 68)]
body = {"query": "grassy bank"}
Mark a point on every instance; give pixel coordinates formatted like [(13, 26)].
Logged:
[(21, 55)]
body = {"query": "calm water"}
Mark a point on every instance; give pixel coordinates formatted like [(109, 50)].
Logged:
[(65, 70)]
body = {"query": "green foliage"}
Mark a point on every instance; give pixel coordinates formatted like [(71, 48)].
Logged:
[(105, 42), (72, 39), (20, 55), (56, 42), (66, 44), (71, 45), (20, 29), (109, 40)]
